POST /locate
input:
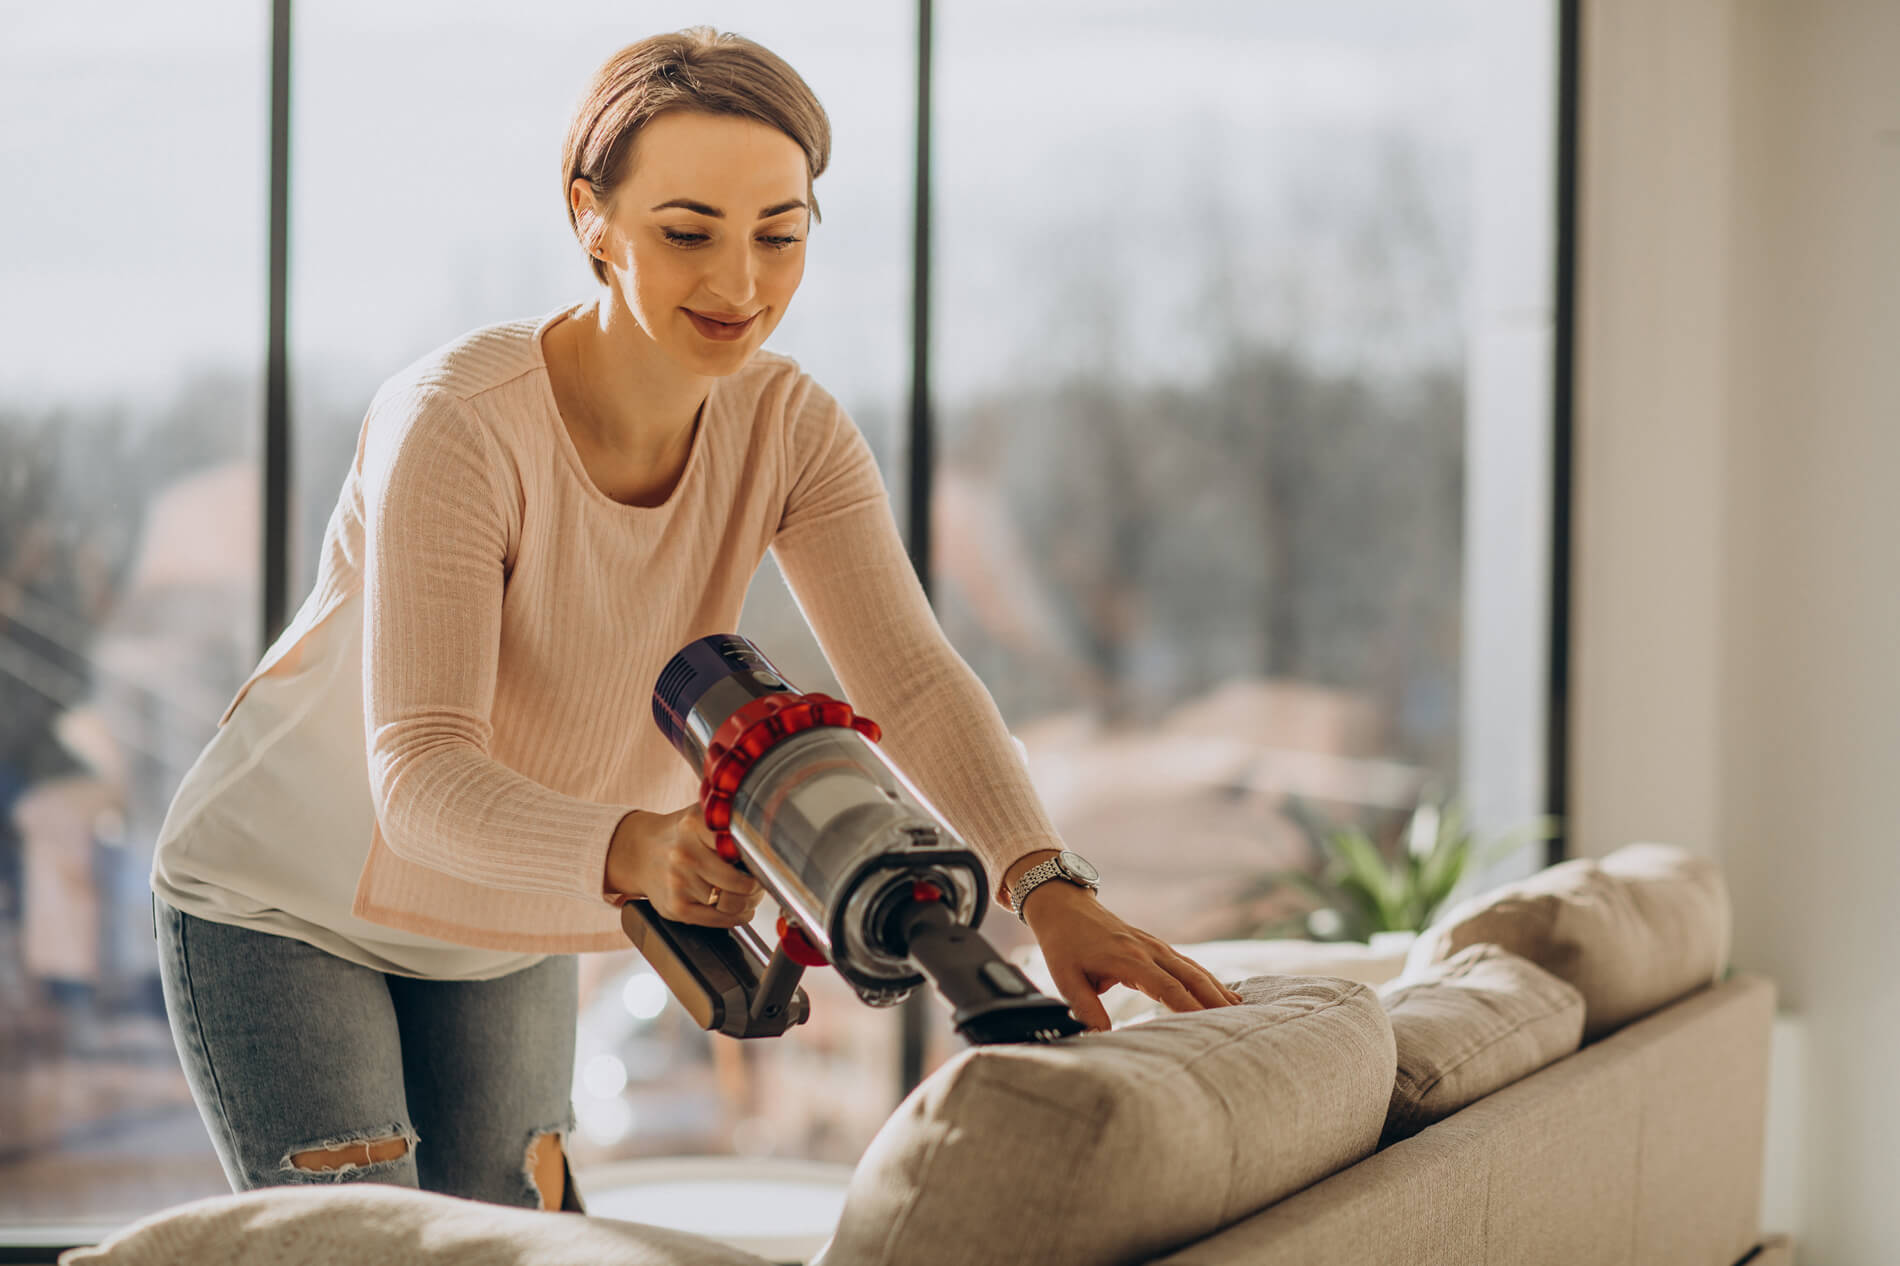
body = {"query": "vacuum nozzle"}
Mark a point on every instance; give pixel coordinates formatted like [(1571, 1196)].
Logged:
[(993, 1000)]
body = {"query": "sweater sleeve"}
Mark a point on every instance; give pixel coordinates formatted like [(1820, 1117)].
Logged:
[(839, 549), (437, 509)]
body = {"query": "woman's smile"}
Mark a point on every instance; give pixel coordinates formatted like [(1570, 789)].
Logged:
[(726, 330)]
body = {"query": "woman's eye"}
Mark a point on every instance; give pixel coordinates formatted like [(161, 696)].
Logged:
[(678, 238)]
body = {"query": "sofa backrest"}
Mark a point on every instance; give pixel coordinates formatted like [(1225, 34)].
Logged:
[(1644, 1147), (1632, 933), (1109, 1148)]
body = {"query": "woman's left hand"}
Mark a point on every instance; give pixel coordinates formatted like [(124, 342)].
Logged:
[(1088, 948)]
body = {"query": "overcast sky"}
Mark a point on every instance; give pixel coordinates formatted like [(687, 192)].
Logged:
[(1118, 152)]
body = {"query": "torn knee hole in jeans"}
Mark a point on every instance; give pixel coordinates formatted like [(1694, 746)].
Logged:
[(361, 1151), (544, 1145)]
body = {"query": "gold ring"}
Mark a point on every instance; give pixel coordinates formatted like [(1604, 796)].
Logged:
[(714, 899)]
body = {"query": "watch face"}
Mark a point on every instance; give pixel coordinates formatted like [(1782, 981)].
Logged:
[(1078, 866)]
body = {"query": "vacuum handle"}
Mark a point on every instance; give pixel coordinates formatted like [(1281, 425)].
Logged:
[(721, 976)]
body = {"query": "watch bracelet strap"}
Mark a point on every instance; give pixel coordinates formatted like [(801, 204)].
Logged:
[(1033, 878)]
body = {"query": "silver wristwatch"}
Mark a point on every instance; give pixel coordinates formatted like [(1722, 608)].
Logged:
[(1067, 864)]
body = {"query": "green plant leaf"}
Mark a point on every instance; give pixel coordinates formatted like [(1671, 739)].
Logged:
[(1362, 906), (1363, 861), (1371, 893), (1474, 858), (1443, 870)]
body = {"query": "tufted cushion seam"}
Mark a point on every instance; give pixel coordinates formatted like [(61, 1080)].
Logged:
[(1421, 1089), (1262, 1024), (1275, 1021)]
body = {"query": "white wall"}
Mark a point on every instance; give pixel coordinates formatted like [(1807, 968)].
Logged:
[(1736, 679)]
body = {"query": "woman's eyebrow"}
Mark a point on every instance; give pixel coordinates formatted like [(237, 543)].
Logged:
[(700, 208)]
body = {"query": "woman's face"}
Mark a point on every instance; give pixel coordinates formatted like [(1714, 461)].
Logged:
[(707, 240)]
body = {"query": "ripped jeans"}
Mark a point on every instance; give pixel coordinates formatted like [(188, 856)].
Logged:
[(289, 1049)]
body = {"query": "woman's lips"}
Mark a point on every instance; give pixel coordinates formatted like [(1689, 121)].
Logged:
[(719, 331)]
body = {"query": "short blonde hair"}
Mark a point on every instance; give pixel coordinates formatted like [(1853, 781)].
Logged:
[(700, 69)]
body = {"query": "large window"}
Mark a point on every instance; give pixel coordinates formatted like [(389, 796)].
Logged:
[(1240, 347), (132, 300), (1217, 347)]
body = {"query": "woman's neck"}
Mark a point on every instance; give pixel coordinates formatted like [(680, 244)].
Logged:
[(635, 402)]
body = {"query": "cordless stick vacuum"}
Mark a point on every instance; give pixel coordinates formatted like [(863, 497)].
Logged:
[(868, 877)]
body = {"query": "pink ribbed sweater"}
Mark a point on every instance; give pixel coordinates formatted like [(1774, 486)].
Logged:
[(515, 618)]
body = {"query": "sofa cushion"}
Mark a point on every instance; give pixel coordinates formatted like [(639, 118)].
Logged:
[(1113, 1147), (319, 1225), (1237, 960), (1641, 928), (1644, 1149), (1472, 1024)]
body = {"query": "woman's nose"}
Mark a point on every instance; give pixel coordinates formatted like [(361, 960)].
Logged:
[(732, 279)]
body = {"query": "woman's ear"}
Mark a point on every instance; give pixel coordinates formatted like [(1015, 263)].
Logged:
[(592, 229), (587, 218)]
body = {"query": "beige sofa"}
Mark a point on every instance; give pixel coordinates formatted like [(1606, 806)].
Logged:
[(1445, 1114), (1645, 1147)]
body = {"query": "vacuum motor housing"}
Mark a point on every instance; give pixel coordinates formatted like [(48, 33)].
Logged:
[(803, 800)]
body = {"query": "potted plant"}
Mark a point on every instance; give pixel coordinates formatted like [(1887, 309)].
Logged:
[(1358, 891)]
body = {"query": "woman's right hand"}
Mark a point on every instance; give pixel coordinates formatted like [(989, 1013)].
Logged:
[(672, 861)]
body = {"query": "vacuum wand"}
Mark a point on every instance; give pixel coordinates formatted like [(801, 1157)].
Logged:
[(869, 878)]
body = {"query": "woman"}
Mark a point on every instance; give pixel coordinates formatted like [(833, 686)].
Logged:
[(539, 515)]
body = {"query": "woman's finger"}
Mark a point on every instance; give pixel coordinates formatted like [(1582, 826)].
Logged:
[(1154, 979), (693, 898), (740, 902), (716, 869), (699, 914), (1200, 981), (712, 873), (1075, 990), (723, 915)]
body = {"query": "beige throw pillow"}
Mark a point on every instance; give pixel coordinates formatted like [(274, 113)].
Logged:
[(1116, 1147), (1472, 1024), (1634, 932), (319, 1225)]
